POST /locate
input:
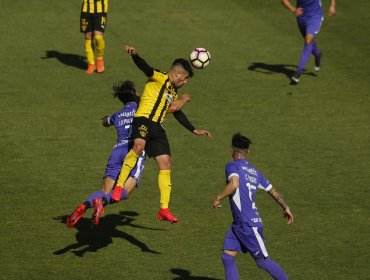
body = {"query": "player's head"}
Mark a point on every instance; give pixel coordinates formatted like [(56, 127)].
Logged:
[(125, 91), (240, 145), (180, 72)]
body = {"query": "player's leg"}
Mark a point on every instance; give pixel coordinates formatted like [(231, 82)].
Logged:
[(255, 244), (231, 247), (272, 268), (159, 148), (310, 27), (78, 213), (131, 183), (86, 27), (100, 21), (164, 179), (140, 131), (127, 166)]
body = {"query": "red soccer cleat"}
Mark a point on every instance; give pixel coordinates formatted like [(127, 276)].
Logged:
[(165, 214), (116, 194), (98, 210), (76, 216)]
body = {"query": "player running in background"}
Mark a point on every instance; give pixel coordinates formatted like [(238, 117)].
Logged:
[(245, 233), (309, 18), (148, 132), (93, 21), (122, 121)]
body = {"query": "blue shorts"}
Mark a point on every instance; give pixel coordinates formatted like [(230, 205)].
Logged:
[(310, 25), (115, 162), (246, 239)]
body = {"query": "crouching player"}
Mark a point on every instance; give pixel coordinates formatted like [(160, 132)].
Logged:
[(245, 233)]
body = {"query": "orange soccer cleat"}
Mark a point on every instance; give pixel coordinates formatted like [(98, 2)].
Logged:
[(90, 68), (100, 65)]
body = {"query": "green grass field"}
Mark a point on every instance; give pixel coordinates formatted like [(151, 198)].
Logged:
[(311, 140)]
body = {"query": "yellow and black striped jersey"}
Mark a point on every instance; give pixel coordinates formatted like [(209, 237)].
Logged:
[(157, 97), (94, 6)]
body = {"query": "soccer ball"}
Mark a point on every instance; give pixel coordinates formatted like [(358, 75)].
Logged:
[(200, 58)]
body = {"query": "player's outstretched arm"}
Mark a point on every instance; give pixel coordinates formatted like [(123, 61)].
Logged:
[(202, 132), (140, 63), (229, 189), (183, 120), (279, 199)]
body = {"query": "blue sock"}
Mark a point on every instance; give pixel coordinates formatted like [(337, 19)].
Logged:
[(231, 271), (315, 49), (272, 268), (123, 196), (305, 56), (96, 194)]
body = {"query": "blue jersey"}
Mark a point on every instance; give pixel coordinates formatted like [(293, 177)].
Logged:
[(122, 121), (242, 203), (310, 7)]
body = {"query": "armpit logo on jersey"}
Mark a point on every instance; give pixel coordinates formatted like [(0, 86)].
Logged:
[(143, 130), (169, 98)]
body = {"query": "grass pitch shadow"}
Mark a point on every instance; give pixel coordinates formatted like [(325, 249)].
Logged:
[(92, 238), (68, 59), (286, 69), (183, 274)]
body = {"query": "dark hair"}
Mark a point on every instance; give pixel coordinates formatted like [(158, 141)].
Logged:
[(125, 91), (240, 142), (185, 64)]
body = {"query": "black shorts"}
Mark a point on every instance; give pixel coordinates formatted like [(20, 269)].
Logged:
[(93, 22), (154, 134)]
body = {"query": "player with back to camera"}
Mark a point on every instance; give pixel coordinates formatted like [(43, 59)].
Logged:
[(93, 21), (245, 234), (309, 19), (148, 132), (122, 121)]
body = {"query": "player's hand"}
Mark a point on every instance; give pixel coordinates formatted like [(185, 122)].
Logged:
[(130, 49), (331, 11), (216, 203), (186, 97), (298, 12), (202, 132), (288, 215)]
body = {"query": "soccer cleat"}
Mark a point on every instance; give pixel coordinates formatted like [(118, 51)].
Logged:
[(90, 68), (76, 216), (165, 214), (98, 210), (100, 65), (294, 79), (317, 63), (116, 193)]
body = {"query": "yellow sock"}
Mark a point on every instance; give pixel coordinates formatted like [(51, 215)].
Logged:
[(164, 184), (99, 45), (128, 164), (89, 52)]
